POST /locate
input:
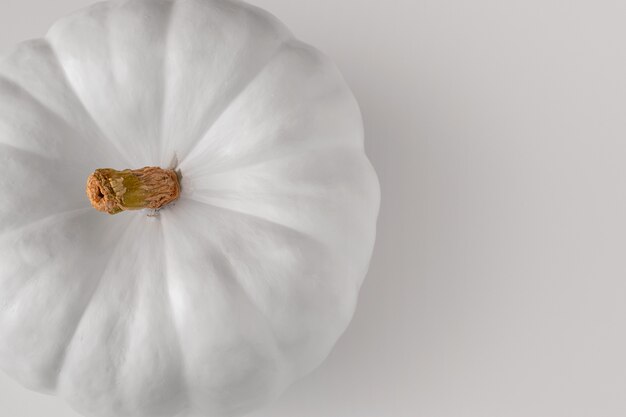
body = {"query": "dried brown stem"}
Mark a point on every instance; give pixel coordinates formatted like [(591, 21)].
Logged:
[(113, 191)]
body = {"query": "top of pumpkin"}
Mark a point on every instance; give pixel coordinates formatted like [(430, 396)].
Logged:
[(215, 306)]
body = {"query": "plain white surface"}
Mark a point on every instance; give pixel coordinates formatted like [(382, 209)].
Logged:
[(497, 286)]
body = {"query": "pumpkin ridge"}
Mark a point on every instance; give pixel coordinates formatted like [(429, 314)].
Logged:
[(71, 339), (257, 218), (160, 67), (72, 90), (281, 357), (182, 365), (56, 187), (276, 225), (138, 294), (29, 152), (258, 28), (246, 295), (111, 59), (231, 98), (37, 224), (43, 220), (246, 163), (165, 76), (284, 140), (322, 250), (232, 281), (34, 100)]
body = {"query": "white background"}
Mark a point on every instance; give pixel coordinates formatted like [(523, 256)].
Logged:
[(498, 282)]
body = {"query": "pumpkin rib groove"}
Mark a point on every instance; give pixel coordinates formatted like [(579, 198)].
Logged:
[(247, 164), (232, 97), (245, 19), (38, 224), (159, 68), (214, 275), (231, 280), (129, 158), (71, 339), (172, 322), (83, 107), (122, 358), (29, 152), (164, 76), (320, 188), (278, 347), (272, 224), (44, 220), (255, 217), (42, 376), (234, 277), (55, 187), (138, 281), (43, 49), (264, 148), (37, 102), (320, 245), (277, 228), (70, 86)]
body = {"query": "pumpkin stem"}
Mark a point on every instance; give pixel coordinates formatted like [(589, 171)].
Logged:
[(113, 191)]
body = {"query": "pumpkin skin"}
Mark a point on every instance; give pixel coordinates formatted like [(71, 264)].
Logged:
[(243, 285)]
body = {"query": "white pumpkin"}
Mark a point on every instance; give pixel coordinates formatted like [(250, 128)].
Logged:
[(215, 304)]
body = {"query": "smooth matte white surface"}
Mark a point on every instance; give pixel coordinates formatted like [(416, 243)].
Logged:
[(497, 286)]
